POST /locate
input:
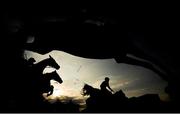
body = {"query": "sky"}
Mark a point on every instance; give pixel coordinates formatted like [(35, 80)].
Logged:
[(76, 71)]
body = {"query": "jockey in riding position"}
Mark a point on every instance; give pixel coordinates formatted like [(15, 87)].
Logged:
[(105, 84)]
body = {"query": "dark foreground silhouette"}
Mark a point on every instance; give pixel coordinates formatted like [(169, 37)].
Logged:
[(27, 94), (159, 46), (100, 101)]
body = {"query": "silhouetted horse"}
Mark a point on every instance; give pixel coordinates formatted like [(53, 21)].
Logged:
[(45, 85), (118, 102), (99, 101), (46, 62), (36, 77), (41, 81), (89, 90), (36, 83)]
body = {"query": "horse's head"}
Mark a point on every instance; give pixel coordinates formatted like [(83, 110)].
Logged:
[(53, 63), (87, 90), (56, 77), (44, 82)]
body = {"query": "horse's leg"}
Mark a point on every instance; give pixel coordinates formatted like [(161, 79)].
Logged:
[(51, 91)]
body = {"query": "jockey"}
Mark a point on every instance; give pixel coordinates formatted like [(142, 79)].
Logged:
[(105, 84)]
